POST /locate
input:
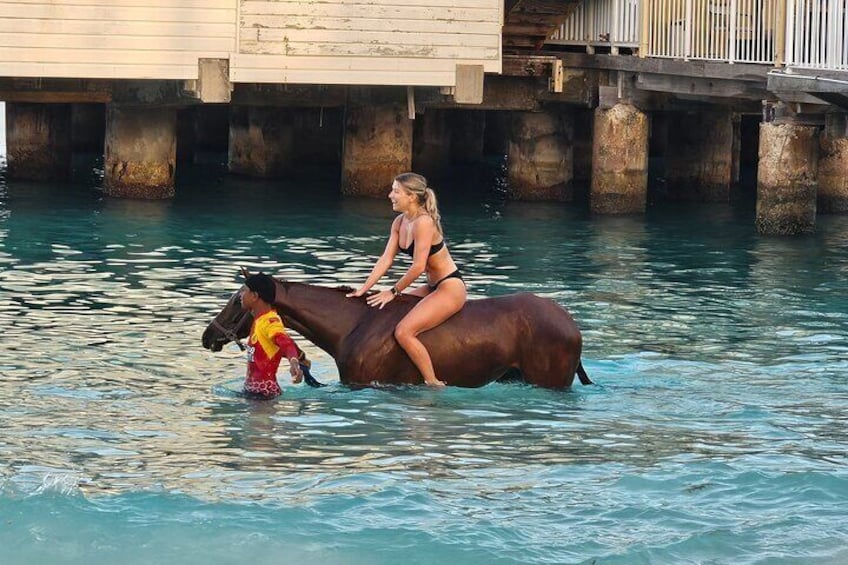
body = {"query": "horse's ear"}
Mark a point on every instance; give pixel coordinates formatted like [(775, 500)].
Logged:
[(244, 272)]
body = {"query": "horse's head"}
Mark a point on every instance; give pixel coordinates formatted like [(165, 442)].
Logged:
[(231, 324)]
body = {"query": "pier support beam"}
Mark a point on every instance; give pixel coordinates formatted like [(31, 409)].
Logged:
[(140, 152), (699, 156), (786, 179), (431, 144), (261, 141), (619, 160), (377, 147), (38, 140), (540, 157), (833, 166)]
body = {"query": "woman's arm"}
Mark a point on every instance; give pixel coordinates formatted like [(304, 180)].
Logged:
[(424, 231), (384, 262)]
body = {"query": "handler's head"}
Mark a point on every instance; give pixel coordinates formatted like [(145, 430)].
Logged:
[(263, 285)]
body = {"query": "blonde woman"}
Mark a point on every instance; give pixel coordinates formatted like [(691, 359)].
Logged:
[(417, 232)]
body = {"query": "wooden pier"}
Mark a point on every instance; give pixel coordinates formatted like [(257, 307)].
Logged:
[(382, 86)]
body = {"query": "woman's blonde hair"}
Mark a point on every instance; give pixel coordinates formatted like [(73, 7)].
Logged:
[(417, 185)]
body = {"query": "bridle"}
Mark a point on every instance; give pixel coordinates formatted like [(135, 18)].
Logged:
[(229, 334)]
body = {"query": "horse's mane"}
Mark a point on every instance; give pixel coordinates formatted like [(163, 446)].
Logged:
[(341, 288), (347, 289)]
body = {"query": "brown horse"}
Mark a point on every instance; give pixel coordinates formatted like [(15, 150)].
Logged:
[(488, 339)]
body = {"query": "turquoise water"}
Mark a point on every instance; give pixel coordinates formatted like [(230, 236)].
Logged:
[(716, 432)]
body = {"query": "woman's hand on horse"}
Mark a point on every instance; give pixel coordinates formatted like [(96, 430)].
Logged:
[(357, 293), (381, 298)]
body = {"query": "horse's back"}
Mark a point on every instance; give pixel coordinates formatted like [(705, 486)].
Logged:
[(526, 304), (511, 316)]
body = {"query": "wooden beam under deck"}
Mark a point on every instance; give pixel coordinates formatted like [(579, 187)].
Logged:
[(701, 69)]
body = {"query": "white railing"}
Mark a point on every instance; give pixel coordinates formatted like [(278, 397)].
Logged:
[(800, 33), (595, 23), (817, 34), (734, 31)]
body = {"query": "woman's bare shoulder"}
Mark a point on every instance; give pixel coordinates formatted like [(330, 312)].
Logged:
[(425, 221)]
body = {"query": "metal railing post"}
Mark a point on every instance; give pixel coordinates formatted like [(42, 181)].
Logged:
[(788, 55), (734, 24), (780, 34), (644, 16), (615, 33)]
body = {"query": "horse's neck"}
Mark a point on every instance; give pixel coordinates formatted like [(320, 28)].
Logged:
[(322, 315)]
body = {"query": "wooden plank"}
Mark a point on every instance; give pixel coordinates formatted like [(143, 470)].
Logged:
[(372, 24), (701, 87), (350, 10), (47, 97), (369, 24), (377, 39), (553, 6), (98, 70), (195, 45), (146, 29), (197, 4), (238, 60), (705, 69), (349, 77), (116, 14), (528, 66), (526, 42), (304, 5), (527, 28), (318, 49), (106, 57)]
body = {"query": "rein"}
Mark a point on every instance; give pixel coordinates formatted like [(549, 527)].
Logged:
[(229, 334)]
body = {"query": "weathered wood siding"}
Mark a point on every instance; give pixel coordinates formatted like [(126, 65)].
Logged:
[(391, 42), (374, 42), (116, 39)]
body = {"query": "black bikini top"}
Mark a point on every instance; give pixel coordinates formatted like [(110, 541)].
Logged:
[(433, 248)]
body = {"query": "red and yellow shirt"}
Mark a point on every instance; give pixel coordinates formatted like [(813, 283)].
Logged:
[(266, 346)]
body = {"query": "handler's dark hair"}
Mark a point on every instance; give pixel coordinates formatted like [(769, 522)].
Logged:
[(263, 285)]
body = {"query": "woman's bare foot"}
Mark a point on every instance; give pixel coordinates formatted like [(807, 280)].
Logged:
[(436, 383)]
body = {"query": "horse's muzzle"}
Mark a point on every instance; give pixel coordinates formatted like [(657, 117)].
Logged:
[(212, 343)]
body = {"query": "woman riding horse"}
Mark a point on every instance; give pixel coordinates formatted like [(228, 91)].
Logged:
[(417, 232)]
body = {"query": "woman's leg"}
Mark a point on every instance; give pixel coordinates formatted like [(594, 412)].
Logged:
[(433, 309)]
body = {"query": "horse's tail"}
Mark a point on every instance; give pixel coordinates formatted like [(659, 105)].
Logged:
[(581, 374)]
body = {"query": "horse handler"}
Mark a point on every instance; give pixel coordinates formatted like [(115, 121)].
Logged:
[(268, 341), (417, 232)]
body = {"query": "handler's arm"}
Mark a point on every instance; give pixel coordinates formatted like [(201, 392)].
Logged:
[(289, 349)]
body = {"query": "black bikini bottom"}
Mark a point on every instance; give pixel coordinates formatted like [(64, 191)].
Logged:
[(454, 275)]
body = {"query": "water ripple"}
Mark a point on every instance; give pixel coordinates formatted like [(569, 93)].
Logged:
[(717, 430)]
